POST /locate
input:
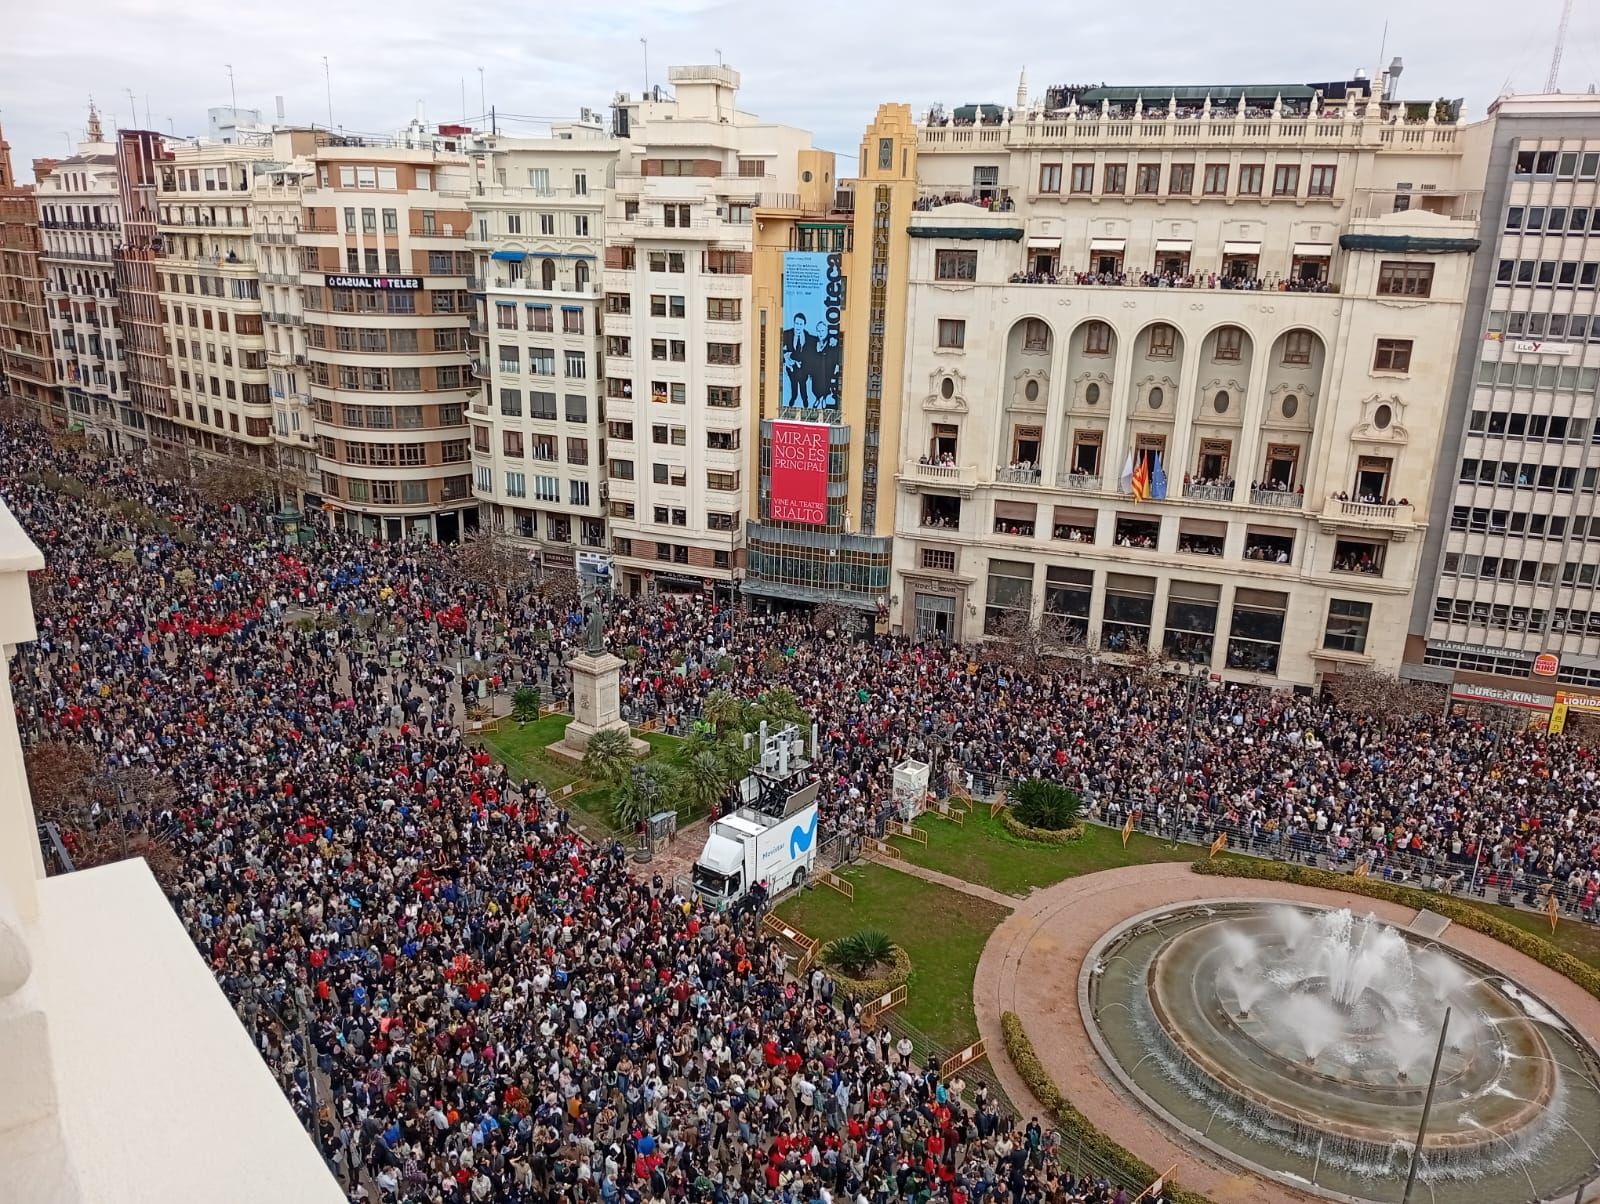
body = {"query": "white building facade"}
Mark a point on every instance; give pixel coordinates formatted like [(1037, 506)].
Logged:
[(1240, 304), (538, 210), (1508, 610), (81, 226), (677, 281)]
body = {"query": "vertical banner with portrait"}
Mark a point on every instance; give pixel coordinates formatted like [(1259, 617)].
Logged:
[(813, 301)]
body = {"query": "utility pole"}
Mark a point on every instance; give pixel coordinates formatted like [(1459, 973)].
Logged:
[(482, 94), (1427, 1107), (645, 42), (327, 79)]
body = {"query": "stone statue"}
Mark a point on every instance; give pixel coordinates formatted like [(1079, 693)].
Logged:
[(597, 624)]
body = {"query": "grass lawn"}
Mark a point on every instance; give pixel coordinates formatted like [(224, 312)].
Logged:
[(1577, 938), (943, 930), (523, 749), (982, 851)]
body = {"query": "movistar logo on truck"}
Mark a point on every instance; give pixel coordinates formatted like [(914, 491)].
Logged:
[(800, 836)]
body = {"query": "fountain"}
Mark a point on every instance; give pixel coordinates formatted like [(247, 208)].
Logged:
[(1312, 1033)]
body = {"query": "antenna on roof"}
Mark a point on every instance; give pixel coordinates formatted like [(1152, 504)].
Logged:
[(1561, 41)]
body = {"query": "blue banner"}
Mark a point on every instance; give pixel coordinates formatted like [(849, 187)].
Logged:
[(813, 304)]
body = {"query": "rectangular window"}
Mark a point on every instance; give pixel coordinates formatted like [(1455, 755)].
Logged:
[(1050, 177), (1297, 346), (1180, 180), (726, 354), (1250, 179), (1216, 179), (1399, 279), (1392, 355), (1321, 182), (1116, 179), (955, 265), (1148, 180), (1286, 179), (1083, 177), (952, 333), (1348, 621)]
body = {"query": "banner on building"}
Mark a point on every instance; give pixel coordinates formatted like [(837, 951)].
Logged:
[(799, 473), (813, 304)]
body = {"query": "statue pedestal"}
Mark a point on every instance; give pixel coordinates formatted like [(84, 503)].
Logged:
[(595, 704)]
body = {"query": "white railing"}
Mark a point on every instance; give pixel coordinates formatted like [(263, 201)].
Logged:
[(1016, 475), (951, 474), (1372, 512), (1208, 493), (1080, 482), (1282, 499)]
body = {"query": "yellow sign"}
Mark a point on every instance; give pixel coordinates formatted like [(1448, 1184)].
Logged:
[(1127, 831), (1220, 843), (1558, 719)]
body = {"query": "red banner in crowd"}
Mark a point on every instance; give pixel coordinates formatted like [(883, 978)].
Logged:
[(799, 473)]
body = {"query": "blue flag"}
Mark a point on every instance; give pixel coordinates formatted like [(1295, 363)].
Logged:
[(1158, 479)]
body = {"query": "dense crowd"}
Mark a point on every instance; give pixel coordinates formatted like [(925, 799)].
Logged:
[(497, 1010), (504, 1013)]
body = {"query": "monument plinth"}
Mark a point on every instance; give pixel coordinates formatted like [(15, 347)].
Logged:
[(596, 697)]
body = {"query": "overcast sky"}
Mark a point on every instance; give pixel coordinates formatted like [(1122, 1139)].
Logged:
[(824, 65)]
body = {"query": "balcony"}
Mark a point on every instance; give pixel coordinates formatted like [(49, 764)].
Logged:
[(1278, 499), (1078, 482), (964, 476), (1016, 474), (1208, 493), (279, 278), (1369, 514)]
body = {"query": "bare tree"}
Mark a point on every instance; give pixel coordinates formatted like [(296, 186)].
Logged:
[(102, 816), (489, 558), (1384, 697), (232, 482), (561, 589), (830, 616), (1021, 644)]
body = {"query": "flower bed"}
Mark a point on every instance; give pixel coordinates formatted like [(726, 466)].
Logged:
[(871, 988), (1075, 1126), (1039, 835), (1454, 910)]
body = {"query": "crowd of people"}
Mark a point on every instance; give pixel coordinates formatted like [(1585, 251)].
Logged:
[(1158, 279), (502, 1012)]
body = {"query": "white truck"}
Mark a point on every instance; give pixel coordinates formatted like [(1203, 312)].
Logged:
[(772, 837)]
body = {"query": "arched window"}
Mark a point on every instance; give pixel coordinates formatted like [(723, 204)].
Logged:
[(1035, 335), (547, 273), (580, 273)]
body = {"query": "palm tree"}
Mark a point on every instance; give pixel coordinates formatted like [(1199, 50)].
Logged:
[(705, 779), (1041, 803), (725, 711), (608, 756)]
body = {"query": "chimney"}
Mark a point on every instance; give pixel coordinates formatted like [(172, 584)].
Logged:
[(280, 110)]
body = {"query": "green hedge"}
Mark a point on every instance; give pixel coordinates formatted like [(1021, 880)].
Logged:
[(1455, 910), (1039, 835), (1074, 1125), (871, 988)]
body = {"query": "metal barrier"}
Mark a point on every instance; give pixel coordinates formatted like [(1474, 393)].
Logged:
[(910, 831), (874, 1008), (884, 849), (965, 1057), (845, 888), (807, 945)]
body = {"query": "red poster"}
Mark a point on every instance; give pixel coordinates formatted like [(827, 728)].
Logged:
[(799, 473)]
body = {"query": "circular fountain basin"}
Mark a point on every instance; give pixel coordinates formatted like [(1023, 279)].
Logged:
[(1302, 1044)]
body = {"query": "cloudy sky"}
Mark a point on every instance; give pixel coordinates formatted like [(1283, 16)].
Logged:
[(823, 65)]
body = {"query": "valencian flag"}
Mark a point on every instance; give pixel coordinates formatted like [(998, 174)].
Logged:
[(1362, 868), (1158, 480), (1127, 830), (1140, 484), (1220, 843)]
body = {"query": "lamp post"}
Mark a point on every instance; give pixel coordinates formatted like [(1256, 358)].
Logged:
[(1427, 1107)]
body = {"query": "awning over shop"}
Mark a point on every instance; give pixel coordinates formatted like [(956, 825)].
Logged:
[(1174, 244), (1313, 250), (1241, 248), (1107, 244), (510, 256)]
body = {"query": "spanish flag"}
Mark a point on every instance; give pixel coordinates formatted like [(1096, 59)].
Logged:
[(1220, 843), (1127, 830), (1141, 480)]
